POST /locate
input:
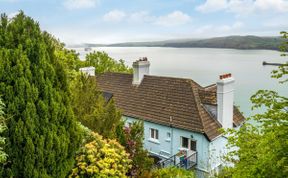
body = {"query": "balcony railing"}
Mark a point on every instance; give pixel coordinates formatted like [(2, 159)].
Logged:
[(179, 161)]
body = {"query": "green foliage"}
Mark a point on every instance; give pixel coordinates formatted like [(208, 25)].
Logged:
[(282, 71), (3, 127), (262, 148), (103, 63), (132, 138), (42, 133), (101, 158), (91, 109), (171, 172)]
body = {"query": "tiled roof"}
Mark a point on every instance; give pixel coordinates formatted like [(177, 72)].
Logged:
[(168, 101)]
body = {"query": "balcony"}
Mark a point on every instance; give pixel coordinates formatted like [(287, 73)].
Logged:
[(185, 161)]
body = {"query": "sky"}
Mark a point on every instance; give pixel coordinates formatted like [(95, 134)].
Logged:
[(113, 21)]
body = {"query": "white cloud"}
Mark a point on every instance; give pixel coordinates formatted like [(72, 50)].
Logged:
[(141, 16), (244, 6), (173, 19), (114, 16), (212, 6), (276, 5), (80, 4)]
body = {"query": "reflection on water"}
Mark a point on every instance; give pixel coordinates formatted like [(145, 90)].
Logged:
[(204, 65)]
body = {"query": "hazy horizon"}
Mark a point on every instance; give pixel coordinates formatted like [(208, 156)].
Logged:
[(115, 21)]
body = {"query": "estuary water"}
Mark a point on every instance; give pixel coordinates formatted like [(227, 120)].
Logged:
[(204, 65)]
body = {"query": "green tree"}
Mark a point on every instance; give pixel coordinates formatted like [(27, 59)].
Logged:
[(132, 139), (3, 127), (103, 63), (263, 148), (91, 109), (42, 133), (170, 172)]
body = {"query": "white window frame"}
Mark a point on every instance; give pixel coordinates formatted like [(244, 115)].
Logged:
[(154, 134), (189, 143)]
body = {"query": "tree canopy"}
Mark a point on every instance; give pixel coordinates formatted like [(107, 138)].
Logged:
[(104, 63), (3, 127), (42, 133), (91, 108), (263, 148)]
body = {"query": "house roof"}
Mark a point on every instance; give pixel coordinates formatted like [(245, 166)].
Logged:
[(176, 102)]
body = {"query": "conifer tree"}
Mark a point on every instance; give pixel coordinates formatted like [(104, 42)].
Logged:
[(91, 109), (3, 155), (42, 133)]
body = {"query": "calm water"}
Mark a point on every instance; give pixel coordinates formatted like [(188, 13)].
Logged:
[(204, 65)]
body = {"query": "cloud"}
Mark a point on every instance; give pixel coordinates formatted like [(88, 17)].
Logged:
[(114, 16), (244, 6), (141, 16), (212, 6), (173, 19), (80, 4)]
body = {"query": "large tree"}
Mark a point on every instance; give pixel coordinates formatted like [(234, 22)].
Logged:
[(104, 63), (263, 148), (92, 109), (3, 127), (42, 133)]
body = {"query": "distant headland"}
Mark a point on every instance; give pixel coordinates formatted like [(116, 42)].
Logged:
[(232, 42)]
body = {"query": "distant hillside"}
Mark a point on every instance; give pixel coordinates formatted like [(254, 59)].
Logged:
[(233, 42)]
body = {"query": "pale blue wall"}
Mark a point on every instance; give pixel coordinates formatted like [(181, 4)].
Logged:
[(217, 149), (172, 147)]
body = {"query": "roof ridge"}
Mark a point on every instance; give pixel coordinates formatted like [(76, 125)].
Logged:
[(179, 78), (197, 101)]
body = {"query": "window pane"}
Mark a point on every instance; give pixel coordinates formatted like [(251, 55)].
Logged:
[(193, 145), (168, 134), (156, 131), (152, 133), (184, 142)]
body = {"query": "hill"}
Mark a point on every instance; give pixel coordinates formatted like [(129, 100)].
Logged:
[(233, 42)]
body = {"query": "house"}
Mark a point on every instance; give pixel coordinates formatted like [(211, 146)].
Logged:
[(181, 118)]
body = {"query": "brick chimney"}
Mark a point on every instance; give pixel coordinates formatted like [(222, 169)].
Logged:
[(140, 68), (225, 100), (88, 70)]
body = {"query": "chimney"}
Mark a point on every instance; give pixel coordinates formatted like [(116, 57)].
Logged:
[(140, 68), (225, 100), (88, 70)]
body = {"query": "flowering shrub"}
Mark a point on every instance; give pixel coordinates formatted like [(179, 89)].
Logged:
[(101, 158)]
